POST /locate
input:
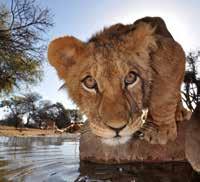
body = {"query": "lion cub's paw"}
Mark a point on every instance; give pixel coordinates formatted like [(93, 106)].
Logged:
[(161, 134), (183, 115)]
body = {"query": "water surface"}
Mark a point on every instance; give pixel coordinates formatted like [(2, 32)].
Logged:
[(39, 159), (56, 159)]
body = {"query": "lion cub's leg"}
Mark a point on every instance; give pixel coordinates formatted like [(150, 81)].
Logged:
[(168, 65), (162, 119), (163, 126)]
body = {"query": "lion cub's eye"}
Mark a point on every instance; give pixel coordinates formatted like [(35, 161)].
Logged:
[(89, 82), (130, 78)]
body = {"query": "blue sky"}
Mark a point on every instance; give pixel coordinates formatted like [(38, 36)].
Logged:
[(82, 18)]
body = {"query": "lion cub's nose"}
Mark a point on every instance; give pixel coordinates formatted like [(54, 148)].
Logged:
[(116, 128), (116, 123)]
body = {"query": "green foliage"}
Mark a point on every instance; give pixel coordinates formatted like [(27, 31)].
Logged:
[(15, 105), (22, 28), (54, 112), (37, 111), (75, 115)]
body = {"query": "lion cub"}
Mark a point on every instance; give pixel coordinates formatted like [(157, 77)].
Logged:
[(192, 140), (125, 78)]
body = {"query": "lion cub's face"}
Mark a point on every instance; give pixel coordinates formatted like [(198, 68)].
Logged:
[(112, 90), (109, 83)]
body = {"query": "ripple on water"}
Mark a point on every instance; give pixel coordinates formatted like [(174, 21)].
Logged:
[(39, 159)]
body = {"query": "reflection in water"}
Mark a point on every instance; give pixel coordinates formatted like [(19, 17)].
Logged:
[(38, 159), (139, 172), (57, 160)]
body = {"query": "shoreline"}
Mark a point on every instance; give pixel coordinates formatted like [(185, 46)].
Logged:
[(10, 131)]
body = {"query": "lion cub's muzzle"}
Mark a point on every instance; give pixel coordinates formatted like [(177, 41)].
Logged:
[(118, 133)]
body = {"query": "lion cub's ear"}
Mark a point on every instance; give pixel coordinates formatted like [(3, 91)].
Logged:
[(64, 53)]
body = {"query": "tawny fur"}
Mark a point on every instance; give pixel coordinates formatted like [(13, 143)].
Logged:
[(192, 140), (145, 47)]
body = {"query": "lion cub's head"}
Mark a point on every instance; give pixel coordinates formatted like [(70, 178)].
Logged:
[(108, 77)]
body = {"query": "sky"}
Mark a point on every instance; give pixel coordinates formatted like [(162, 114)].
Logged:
[(82, 18)]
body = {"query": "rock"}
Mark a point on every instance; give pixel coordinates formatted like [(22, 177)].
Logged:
[(136, 150)]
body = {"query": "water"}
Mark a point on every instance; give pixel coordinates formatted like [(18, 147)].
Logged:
[(40, 159)]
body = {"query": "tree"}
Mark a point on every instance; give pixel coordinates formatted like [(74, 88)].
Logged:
[(22, 30), (54, 112), (75, 115), (31, 100), (191, 93), (37, 111), (16, 107)]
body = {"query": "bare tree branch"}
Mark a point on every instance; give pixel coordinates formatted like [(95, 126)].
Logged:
[(191, 91), (22, 29)]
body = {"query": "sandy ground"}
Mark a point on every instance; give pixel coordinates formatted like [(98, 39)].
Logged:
[(26, 132)]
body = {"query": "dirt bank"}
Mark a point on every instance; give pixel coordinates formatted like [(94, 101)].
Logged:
[(27, 132)]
